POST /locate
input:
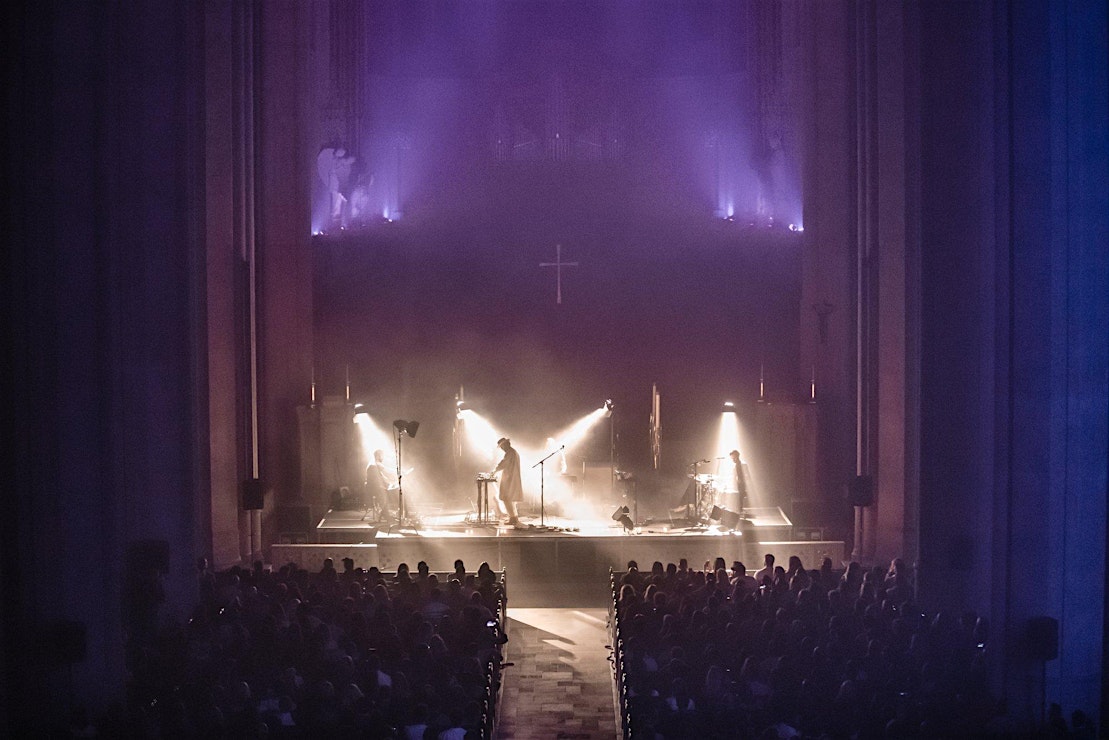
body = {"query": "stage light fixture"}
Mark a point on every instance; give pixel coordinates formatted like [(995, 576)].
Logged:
[(406, 427), (727, 408), (608, 407), (463, 406), (621, 515)]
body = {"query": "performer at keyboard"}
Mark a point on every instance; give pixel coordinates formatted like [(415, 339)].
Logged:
[(380, 480), (510, 489)]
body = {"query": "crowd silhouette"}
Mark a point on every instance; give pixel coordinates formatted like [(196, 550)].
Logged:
[(347, 652), (711, 652), (794, 653)]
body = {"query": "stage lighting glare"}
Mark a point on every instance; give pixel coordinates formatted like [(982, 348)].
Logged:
[(372, 436), (727, 437), (577, 431), (479, 432)]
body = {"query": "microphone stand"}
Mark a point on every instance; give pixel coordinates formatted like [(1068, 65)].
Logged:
[(542, 483)]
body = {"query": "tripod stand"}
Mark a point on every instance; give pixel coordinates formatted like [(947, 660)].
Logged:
[(403, 428)]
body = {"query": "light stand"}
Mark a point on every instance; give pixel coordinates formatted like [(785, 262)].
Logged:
[(609, 406), (629, 480), (542, 483), (621, 515), (402, 428)]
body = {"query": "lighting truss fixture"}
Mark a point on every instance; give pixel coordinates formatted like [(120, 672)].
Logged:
[(621, 515), (406, 427)]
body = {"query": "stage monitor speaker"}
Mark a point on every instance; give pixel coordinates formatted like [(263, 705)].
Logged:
[(727, 519), (1041, 638), (254, 495), (860, 491)]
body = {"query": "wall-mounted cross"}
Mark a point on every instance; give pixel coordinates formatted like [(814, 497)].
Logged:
[(558, 264)]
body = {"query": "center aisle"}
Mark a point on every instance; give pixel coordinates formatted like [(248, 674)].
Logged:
[(560, 683)]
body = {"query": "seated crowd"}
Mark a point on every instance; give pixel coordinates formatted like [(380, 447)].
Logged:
[(791, 652), (333, 653)]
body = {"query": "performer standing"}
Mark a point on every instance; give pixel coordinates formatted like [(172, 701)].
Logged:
[(737, 486), (511, 489)]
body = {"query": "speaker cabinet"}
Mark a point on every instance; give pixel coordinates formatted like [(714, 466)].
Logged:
[(253, 494)]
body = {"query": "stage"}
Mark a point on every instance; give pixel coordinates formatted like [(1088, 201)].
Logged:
[(550, 560)]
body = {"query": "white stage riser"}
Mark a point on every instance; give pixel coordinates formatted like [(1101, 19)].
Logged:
[(555, 558)]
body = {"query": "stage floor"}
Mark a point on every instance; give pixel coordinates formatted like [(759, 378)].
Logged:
[(550, 561), (350, 527)]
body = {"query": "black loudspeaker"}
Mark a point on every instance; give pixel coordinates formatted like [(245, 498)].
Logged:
[(728, 519), (253, 494), (1041, 638), (860, 491)]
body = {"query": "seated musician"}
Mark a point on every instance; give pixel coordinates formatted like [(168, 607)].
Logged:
[(379, 481)]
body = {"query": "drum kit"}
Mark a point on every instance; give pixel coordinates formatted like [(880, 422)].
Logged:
[(705, 494)]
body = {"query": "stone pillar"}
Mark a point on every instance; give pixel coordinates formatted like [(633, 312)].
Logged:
[(828, 275), (285, 171)]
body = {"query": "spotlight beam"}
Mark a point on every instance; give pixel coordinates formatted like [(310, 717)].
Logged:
[(576, 432)]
